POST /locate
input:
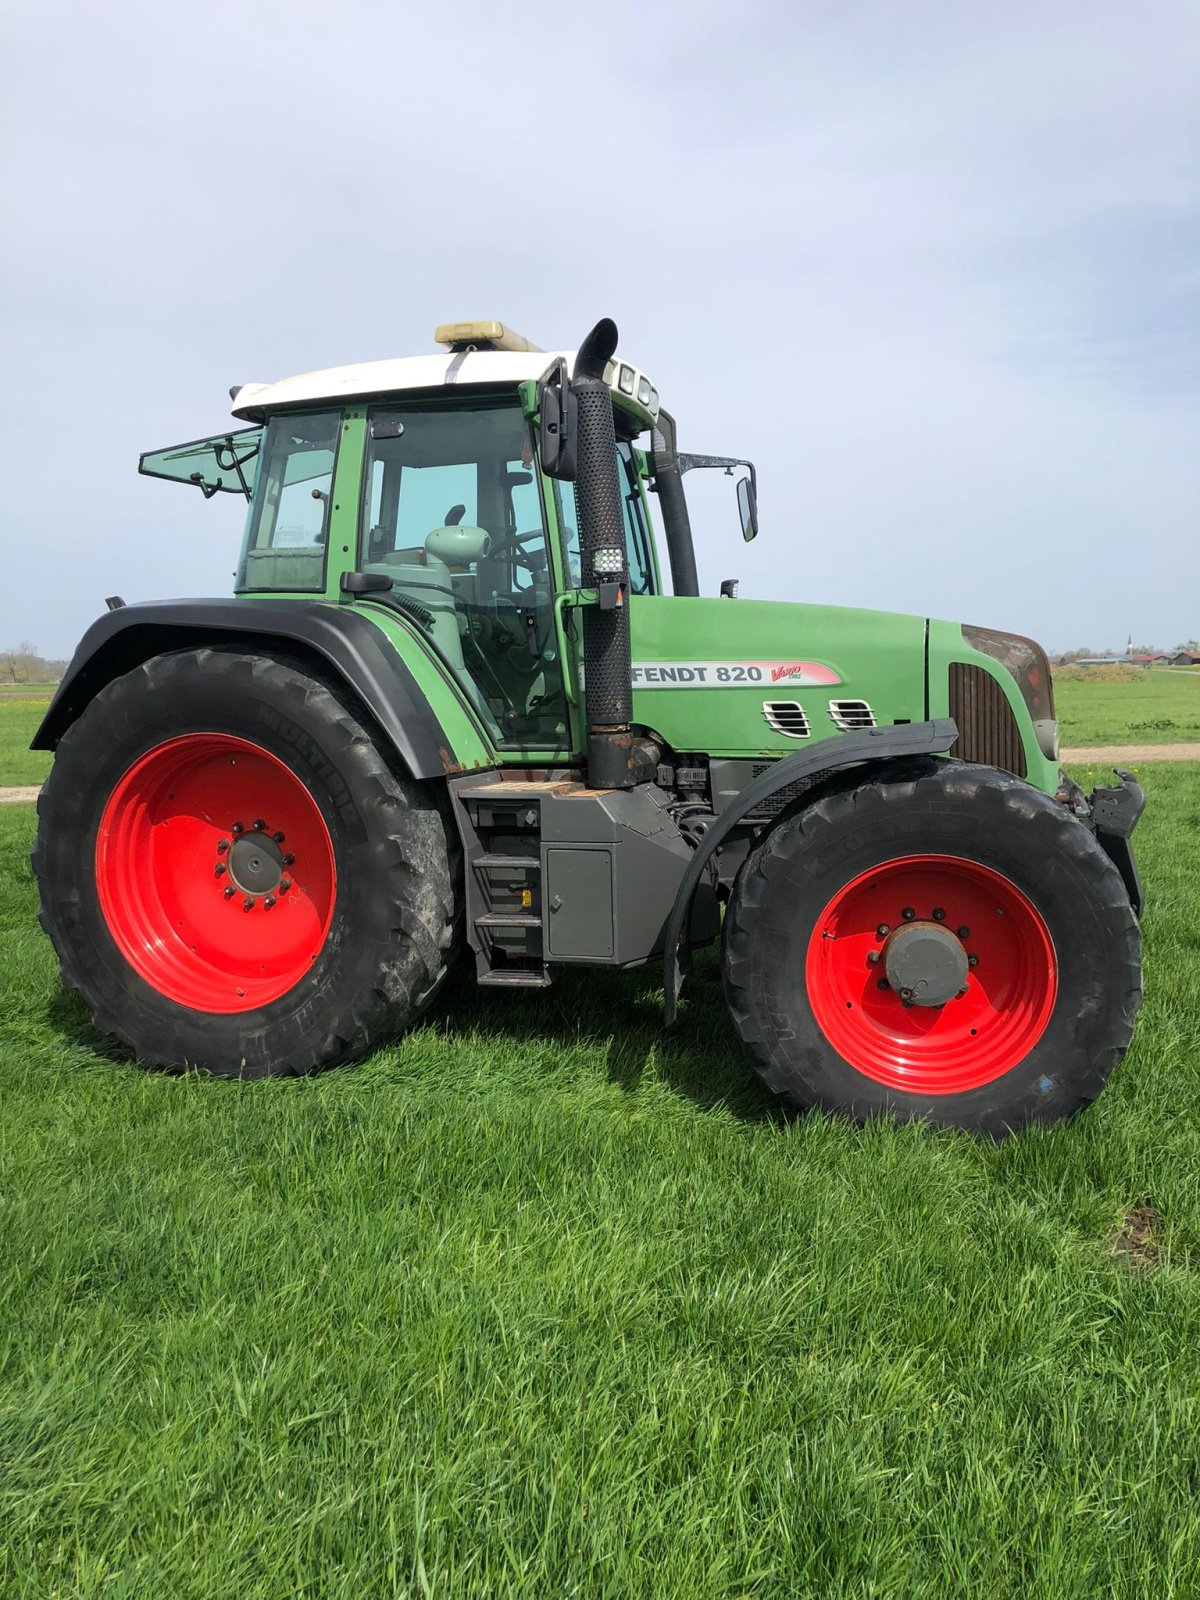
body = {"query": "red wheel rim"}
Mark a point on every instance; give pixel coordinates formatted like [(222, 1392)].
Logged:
[(1010, 985), (190, 820)]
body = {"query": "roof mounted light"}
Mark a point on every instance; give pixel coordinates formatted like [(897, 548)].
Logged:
[(458, 336)]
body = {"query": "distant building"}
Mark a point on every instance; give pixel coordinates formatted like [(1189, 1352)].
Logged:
[(1150, 659), (1185, 658)]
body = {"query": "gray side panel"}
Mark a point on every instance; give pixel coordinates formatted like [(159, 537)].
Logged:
[(633, 831), (579, 903), (345, 640)]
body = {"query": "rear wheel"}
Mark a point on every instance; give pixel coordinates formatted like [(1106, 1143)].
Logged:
[(944, 942), (232, 875)]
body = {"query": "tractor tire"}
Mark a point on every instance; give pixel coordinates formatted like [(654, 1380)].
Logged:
[(233, 876), (990, 899)]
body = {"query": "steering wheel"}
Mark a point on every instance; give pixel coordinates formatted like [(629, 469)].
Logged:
[(522, 558)]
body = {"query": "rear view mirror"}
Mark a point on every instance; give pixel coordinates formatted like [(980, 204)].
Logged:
[(747, 507), (559, 429)]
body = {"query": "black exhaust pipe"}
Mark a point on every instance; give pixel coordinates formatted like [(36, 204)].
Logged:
[(668, 485), (614, 760)]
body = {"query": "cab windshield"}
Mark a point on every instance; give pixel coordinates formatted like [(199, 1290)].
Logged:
[(452, 513)]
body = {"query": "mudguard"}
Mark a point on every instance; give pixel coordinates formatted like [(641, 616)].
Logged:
[(341, 638), (843, 750)]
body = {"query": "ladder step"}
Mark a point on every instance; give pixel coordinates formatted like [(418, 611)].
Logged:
[(508, 919), (531, 863), (514, 978)]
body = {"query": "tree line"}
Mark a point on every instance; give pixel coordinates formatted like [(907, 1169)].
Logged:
[(22, 663), (1085, 653)]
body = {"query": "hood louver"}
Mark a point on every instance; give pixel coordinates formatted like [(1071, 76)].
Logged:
[(849, 715), (786, 717)]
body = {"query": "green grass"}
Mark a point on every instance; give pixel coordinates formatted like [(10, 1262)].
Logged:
[(27, 691), (542, 1302), (1158, 705), (18, 723)]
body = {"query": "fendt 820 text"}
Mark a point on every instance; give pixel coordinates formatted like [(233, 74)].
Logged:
[(452, 710)]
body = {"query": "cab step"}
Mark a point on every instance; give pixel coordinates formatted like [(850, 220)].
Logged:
[(514, 978)]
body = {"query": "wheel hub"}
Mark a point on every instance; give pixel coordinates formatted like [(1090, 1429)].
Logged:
[(255, 863), (925, 963)]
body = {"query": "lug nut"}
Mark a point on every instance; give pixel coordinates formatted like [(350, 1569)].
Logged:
[(278, 838), (964, 932), (284, 885), (872, 958), (230, 891), (908, 913), (259, 825), (238, 827), (972, 961), (268, 902), (219, 870), (938, 914), (882, 931), (222, 846), (906, 994), (882, 983), (289, 861), (248, 903)]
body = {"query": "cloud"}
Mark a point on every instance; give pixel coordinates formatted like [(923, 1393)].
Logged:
[(934, 266)]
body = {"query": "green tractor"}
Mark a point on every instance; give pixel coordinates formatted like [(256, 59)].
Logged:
[(452, 709)]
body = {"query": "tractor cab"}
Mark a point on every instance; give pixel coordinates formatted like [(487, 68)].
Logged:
[(422, 487)]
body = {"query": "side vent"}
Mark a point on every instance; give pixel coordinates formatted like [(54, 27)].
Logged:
[(786, 717), (851, 714), (987, 730)]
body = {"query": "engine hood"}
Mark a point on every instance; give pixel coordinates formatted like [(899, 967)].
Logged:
[(763, 678)]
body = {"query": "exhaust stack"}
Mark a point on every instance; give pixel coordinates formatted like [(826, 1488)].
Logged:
[(612, 758)]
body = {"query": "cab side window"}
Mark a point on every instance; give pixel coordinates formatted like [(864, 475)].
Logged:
[(637, 533)]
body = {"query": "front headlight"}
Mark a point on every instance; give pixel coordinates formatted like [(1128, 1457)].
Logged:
[(1026, 661)]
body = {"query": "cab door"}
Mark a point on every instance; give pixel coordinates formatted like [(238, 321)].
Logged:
[(452, 513)]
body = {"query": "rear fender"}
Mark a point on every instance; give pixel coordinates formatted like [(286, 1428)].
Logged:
[(344, 642)]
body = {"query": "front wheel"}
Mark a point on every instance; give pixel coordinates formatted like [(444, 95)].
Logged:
[(944, 941), (233, 876)]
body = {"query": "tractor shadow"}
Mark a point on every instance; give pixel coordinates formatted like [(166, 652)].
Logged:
[(699, 1058), (617, 1015), (73, 1028)]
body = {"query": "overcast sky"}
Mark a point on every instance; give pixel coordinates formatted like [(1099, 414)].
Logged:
[(935, 266)]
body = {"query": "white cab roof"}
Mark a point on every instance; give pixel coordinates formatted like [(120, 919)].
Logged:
[(390, 377), (463, 369)]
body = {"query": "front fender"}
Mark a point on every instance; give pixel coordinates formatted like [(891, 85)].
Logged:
[(842, 750)]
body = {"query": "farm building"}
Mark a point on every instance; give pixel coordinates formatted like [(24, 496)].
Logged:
[(1185, 658)]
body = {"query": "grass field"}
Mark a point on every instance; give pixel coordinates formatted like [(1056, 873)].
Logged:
[(26, 691), (18, 723), (541, 1301), (1156, 705)]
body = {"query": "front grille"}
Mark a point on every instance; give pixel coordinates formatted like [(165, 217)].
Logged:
[(782, 798), (851, 714), (987, 729), (786, 717)]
